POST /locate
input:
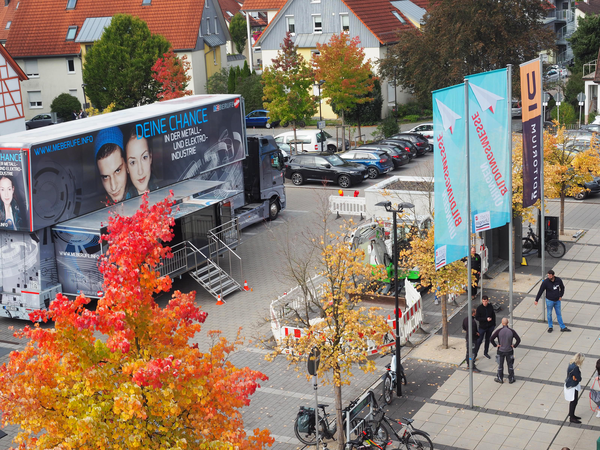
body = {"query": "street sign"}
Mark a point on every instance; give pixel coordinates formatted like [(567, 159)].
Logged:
[(321, 124), (312, 364), (581, 97), (558, 97), (546, 97)]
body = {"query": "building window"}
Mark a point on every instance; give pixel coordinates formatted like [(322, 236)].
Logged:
[(315, 1), (6, 2), (207, 26), (17, 7), (35, 99), (71, 33), (31, 68), (8, 24), (215, 56), (146, 2), (73, 92), (290, 24), (317, 24), (71, 4), (398, 16), (216, 27), (315, 53), (345, 22), (70, 65), (206, 3)]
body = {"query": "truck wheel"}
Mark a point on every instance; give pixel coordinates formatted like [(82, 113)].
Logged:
[(273, 209), (344, 181), (267, 125), (297, 179)]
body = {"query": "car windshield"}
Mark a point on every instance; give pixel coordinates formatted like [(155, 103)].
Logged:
[(334, 160)]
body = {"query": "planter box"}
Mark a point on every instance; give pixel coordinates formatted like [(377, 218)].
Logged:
[(400, 189)]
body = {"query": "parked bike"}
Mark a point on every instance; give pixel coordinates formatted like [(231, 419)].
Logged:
[(554, 247), (304, 425), (389, 379)]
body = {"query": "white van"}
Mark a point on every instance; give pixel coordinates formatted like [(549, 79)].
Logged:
[(310, 141)]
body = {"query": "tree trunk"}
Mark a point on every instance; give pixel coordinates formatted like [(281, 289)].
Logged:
[(444, 300), (295, 146), (562, 213), (359, 134), (341, 432)]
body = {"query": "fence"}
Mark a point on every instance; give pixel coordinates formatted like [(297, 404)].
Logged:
[(352, 206)]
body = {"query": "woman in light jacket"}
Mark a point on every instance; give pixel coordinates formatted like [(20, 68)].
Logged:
[(572, 386)]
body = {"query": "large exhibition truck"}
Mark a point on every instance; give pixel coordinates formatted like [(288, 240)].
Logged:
[(59, 184)]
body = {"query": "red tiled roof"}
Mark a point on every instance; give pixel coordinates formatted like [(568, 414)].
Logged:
[(176, 20), (263, 5), (589, 7), (233, 6), (422, 3), (377, 16), (7, 14)]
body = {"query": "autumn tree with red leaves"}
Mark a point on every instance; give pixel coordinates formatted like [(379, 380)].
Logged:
[(125, 376), (170, 72)]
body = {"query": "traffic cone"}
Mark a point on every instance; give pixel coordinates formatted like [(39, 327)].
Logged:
[(524, 262), (219, 301), (246, 288)]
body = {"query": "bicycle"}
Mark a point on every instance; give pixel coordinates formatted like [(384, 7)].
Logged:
[(304, 424), (554, 247), (411, 438), (389, 379)]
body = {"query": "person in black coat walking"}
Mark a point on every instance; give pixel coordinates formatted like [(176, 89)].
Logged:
[(486, 317), (474, 337)]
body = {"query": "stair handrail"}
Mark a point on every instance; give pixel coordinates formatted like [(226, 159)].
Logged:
[(220, 230)]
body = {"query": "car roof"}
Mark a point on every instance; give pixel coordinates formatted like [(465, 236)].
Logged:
[(291, 133), (364, 150)]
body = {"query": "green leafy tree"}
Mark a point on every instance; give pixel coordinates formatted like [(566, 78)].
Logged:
[(245, 72), (348, 77), (460, 38), (574, 86), (118, 67), (231, 81), (365, 113), (239, 31), (565, 113), (64, 105), (252, 90), (218, 82), (287, 83), (585, 41)]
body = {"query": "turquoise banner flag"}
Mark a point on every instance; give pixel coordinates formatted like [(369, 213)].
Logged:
[(489, 149), (450, 183)]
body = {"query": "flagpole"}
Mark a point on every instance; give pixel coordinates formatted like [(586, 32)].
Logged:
[(543, 212), (469, 271), (511, 254)]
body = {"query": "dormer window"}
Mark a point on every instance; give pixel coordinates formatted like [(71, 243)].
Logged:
[(6, 2), (146, 2), (398, 16), (8, 25), (71, 33), (71, 4)]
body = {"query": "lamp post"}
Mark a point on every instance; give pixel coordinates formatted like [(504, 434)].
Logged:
[(84, 99), (388, 208), (319, 84)]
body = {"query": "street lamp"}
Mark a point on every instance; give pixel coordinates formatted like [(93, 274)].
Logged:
[(84, 99), (388, 208), (319, 84)]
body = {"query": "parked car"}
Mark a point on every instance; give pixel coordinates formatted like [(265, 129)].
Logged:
[(41, 120), (591, 127), (406, 145), (555, 73), (591, 187), (310, 140), (324, 167), (399, 155), (425, 130), (377, 162), (517, 109), (419, 142), (260, 118)]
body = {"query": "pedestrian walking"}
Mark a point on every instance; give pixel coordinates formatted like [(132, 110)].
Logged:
[(555, 291), (486, 317), (573, 386), (505, 336), (476, 266), (474, 336), (595, 393)]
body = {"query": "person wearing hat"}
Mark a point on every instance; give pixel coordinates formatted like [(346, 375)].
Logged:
[(111, 163)]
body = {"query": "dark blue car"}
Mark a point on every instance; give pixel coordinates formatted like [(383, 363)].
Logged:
[(377, 162), (260, 118)]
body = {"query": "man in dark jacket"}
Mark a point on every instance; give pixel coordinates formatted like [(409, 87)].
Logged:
[(474, 337), (505, 336), (555, 290), (486, 317), (476, 266)]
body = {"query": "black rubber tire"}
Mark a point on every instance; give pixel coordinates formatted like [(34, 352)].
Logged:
[(418, 440), (267, 125), (301, 124), (381, 436), (388, 389), (331, 148), (528, 246), (344, 181), (284, 124), (273, 209), (581, 195), (372, 172), (309, 438), (297, 179), (555, 248)]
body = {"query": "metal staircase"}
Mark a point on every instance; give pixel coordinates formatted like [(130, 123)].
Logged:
[(206, 269)]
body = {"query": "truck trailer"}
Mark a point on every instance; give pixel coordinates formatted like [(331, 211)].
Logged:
[(60, 184)]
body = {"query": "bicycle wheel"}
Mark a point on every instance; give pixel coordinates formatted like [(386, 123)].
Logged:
[(308, 437), (381, 436), (388, 388), (528, 245), (418, 440), (555, 248)]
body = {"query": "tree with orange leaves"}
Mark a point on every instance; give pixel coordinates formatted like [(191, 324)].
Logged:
[(125, 376), (170, 72)]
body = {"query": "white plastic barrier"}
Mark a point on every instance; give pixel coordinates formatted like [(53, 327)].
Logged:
[(353, 206)]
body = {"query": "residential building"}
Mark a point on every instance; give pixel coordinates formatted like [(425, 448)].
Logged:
[(12, 116), (195, 28)]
